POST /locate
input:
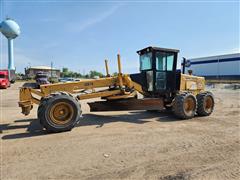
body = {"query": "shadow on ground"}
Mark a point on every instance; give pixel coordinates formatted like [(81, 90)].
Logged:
[(33, 129), (138, 117)]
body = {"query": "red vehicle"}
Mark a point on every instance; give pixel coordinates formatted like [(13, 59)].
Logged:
[(4, 81)]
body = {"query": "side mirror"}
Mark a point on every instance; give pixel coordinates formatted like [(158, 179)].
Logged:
[(183, 65)]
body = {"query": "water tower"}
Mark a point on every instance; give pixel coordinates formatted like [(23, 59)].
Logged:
[(10, 29)]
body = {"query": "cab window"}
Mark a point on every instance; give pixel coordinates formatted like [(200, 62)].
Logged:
[(146, 61), (164, 61), (170, 62), (160, 61)]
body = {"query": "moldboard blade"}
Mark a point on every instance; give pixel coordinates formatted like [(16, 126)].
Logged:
[(129, 104)]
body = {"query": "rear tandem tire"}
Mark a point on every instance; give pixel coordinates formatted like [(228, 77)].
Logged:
[(59, 112), (205, 103), (185, 106)]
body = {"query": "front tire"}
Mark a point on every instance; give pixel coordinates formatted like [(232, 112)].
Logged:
[(205, 104), (185, 106), (59, 112)]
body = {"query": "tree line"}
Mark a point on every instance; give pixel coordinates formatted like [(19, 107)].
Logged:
[(92, 74)]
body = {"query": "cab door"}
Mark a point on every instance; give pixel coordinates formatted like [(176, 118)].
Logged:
[(146, 69), (165, 71)]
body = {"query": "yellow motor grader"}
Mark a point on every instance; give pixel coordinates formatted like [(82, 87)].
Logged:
[(160, 83)]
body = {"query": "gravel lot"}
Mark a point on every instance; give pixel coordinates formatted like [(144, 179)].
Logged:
[(123, 145)]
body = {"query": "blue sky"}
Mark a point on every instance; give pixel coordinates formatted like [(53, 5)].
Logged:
[(81, 34)]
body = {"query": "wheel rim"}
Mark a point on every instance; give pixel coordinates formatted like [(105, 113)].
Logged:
[(189, 105), (61, 113), (208, 104)]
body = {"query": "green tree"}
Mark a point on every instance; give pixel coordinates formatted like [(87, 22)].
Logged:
[(94, 73), (115, 74), (64, 70), (67, 73)]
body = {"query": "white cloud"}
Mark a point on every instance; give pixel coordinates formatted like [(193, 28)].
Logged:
[(92, 21)]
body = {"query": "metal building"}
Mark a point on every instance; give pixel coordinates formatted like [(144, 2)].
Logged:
[(221, 67), (32, 71)]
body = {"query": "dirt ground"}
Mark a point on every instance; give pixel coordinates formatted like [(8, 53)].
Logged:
[(123, 145)]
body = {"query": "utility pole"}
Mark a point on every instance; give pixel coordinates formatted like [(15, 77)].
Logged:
[(83, 72), (51, 68)]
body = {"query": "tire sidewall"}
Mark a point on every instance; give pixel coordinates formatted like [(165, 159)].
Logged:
[(201, 99), (178, 106), (68, 126), (195, 105), (204, 103)]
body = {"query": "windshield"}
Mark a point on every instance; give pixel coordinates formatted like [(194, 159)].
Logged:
[(2, 76), (146, 61), (164, 61)]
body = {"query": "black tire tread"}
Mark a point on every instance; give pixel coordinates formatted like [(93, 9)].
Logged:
[(177, 107), (42, 109), (200, 100)]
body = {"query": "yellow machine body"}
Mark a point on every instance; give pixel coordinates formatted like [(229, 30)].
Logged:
[(100, 88), (194, 84), (59, 109)]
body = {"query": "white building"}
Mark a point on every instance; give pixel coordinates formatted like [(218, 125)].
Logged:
[(32, 71), (225, 67)]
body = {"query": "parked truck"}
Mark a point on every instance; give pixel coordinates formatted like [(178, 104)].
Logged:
[(12, 74), (4, 81), (41, 78)]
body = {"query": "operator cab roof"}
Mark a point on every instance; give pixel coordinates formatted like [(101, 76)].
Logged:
[(151, 48)]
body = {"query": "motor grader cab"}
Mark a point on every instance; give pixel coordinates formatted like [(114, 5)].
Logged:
[(158, 81), (158, 71)]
